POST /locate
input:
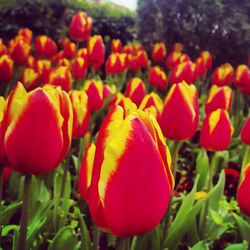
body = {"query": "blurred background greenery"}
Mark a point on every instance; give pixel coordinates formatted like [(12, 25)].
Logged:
[(220, 26)]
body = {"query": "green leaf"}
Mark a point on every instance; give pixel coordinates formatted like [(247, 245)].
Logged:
[(240, 246), (9, 211), (64, 239), (202, 169), (244, 227), (85, 240), (200, 246)]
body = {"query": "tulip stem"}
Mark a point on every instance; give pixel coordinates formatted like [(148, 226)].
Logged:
[(122, 243), (175, 153), (25, 212), (97, 235)]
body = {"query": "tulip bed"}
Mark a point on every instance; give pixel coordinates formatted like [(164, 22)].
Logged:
[(121, 152)]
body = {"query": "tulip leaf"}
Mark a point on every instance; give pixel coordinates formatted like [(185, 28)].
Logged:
[(200, 246), (182, 223), (9, 211), (239, 246), (244, 227), (64, 239), (85, 240), (202, 168)]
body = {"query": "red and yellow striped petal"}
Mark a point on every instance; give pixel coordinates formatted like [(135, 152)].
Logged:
[(245, 132)]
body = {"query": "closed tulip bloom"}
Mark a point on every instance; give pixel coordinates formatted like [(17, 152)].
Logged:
[(80, 27), (83, 53), (30, 78), (116, 46), (152, 104), (26, 34), (81, 112), (86, 171), (159, 52), (223, 75), (180, 115), (6, 69), (78, 68), (216, 131), (245, 132), (184, 58), (173, 59), (64, 62), (200, 67), (19, 51), (3, 48), (207, 59), (242, 78), (96, 50), (183, 72), (138, 60), (218, 97), (157, 77), (2, 114), (244, 191), (36, 142), (61, 76), (45, 46), (135, 90), (94, 90), (114, 64), (69, 50), (130, 149), (43, 68)]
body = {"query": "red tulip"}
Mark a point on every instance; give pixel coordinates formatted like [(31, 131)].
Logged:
[(26, 34), (116, 46), (6, 69), (159, 52), (245, 132), (29, 134), (216, 131), (157, 77), (207, 59), (78, 68), (30, 78), (179, 119), (242, 79), (3, 49), (223, 75), (69, 50), (115, 64), (173, 59), (43, 68), (2, 114), (45, 46)]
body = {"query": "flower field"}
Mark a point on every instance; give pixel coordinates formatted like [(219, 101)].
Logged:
[(128, 150)]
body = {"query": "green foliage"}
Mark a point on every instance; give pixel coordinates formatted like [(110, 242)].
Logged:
[(220, 26)]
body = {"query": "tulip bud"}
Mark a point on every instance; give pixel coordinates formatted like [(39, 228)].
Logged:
[(200, 67), (94, 90), (29, 134), (138, 60), (184, 58), (245, 132), (243, 192), (129, 149), (83, 53), (96, 50), (26, 34), (173, 59), (69, 50), (159, 52), (157, 77), (216, 131), (135, 90), (116, 46), (223, 75), (218, 98), (43, 67), (114, 64), (207, 59), (2, 114), (6, 69), (242, 78), (80, 27), (183, 72), (61, 76), (81, 112), (179, 119), (78, 68), (152, 104), (45, 46), (30, 78)]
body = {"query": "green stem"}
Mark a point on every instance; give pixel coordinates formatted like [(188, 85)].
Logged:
[(97, 235), (122, 244), (25, 212), (175, 153)]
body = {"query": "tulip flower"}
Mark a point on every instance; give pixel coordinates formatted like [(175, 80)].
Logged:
[(45, 46), (183, 72), (159, 52), (207, 59), (3, 49), (116, 46), (81, 112), (115, 64), (78, 68), (43, 67), (84, 179), (218, 97), (108, 90), (94, 90), (200, 67), (64, 62), (138, 60), (30, 78), (83, 52), (6, 69), (36, 142), (19, 50), (129, 149), (242, 79), (157, 77), (173, 59), (184, 58), (244, 191), (245, 132), (2, 114), (26, 34), (223, 75), (61, 76), (31, 60), (80, 27), (152, 104), (216, 131), (96, 50), (180, 115), (135, 90), (69, 50)]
